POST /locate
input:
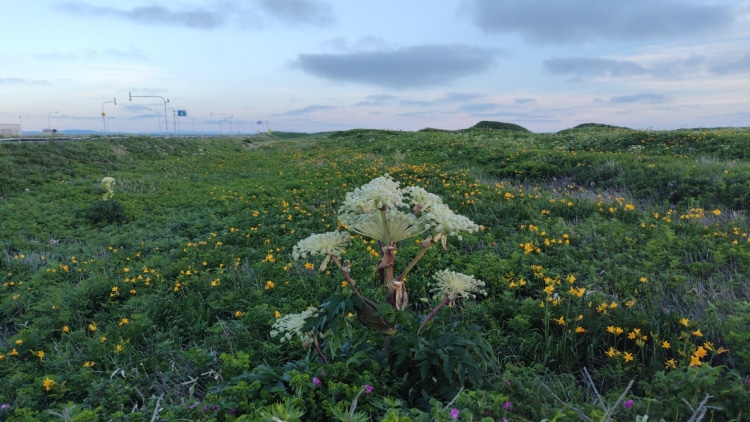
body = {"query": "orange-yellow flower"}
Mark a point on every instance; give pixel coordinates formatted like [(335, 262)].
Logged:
[(665, 344), (695, 361), (48, 383), (612, 352), (700, 352), (628, 356), (615, 330)]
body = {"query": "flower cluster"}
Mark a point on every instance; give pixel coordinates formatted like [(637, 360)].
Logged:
[(383, 211), (108, 184), (379, 194), (451, 285), (290, 326), (331, 243)]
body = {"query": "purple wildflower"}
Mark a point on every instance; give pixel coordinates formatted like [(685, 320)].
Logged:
[(628, 404), (316, 381), (454, 413), (508, 405), (4, 406), (368, 389)]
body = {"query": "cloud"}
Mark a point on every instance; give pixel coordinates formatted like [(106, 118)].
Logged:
[(218, 15), (377, 100), (478, 107), (153, 15), (299, 11), (648, 98), (582, 67), (544, 21), (407, 67), (457, 97), (593, 67), (306, 110), (23, 81), (740, 65), (524, 100)]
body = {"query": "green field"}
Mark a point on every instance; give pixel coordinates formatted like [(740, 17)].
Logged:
[(615, 267)]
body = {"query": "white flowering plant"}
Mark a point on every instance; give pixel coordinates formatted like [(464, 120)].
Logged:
[(419, 358), (108, 183), (385, 212)]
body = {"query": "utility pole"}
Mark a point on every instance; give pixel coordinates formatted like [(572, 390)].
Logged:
[(166, 123)]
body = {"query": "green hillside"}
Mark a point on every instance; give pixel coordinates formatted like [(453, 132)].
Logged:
[(613, 264)]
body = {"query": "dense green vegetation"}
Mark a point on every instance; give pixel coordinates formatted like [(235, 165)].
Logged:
[(614, 261)]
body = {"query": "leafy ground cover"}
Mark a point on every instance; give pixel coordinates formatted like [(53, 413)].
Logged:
[(614, 263)]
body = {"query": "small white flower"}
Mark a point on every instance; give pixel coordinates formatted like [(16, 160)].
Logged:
[(331, 243), (452, 285), (290, 326)]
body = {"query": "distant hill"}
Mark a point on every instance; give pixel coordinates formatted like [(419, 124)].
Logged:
[(486, 124), (591, 126)]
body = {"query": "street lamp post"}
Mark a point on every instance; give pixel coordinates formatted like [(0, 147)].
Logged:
[(158, 118), (166, 123), (20, 126), (230, 120), (49, 125), (104, 121)]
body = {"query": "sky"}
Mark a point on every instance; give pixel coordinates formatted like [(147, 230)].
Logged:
[(326, 65)]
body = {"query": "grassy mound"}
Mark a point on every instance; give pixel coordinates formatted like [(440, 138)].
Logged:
[(512, 127)]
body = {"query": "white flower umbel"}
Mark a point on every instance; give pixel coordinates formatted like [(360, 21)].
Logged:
[(421, 199), (388, 226), (290, 326), (450, 285), (380, 193), (443, 220), (331, 243)]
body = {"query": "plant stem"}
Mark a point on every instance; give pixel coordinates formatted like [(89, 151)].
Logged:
[(432, 314), (348, 277), (317, 349), (425, 245)]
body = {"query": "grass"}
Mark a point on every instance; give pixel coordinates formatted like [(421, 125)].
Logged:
[(600, 247)]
